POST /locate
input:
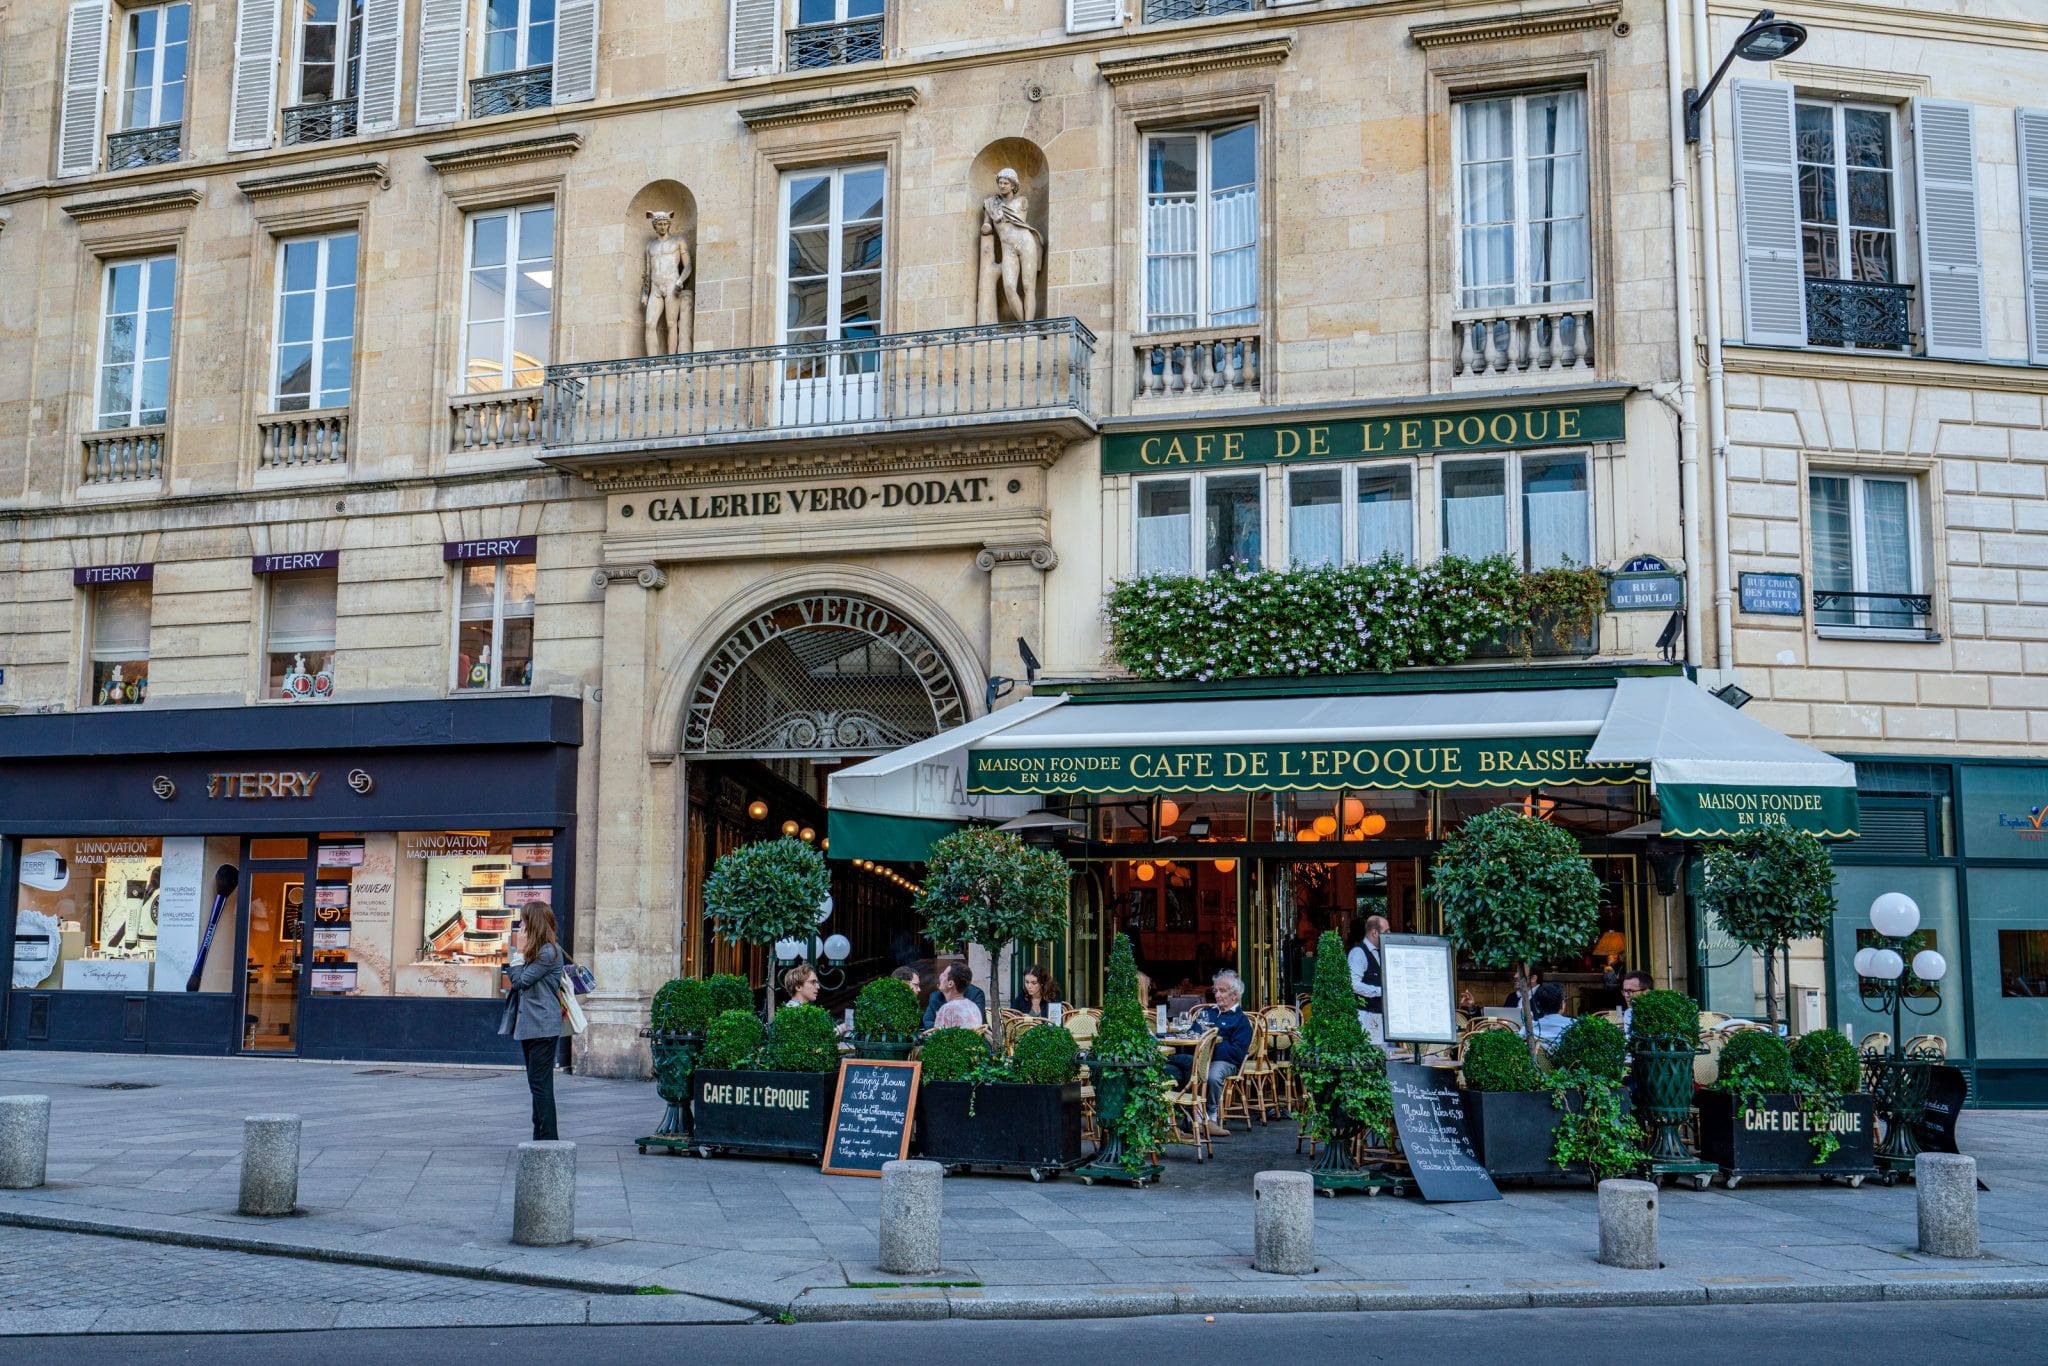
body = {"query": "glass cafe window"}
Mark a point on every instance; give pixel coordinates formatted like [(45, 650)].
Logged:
[(1381, 499), (120, 913), (300, 647), (1550, 523), (494, 626), (1229, 533), (120, 645)]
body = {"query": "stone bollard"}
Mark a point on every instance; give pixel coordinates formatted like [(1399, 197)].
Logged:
[(24, 1141), (913, 1195), (1628, 1225), (1284, 1223), (270, 1164), (544, 1199), (1947, 1184)]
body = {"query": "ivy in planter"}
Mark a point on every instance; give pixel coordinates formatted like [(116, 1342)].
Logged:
[(802, 1039), (733, 1042), (1045, 1055), (954, 1054), (1343, 1072), (1828, 1059), (1663, 1017), (1591, 1061)]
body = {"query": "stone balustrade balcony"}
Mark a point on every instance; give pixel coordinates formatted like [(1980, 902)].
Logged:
[(121, 456), (1199, 362), (1530, 339), (315, 438)]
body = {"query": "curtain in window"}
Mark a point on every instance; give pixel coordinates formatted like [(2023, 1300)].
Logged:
[(1163, 527), (1315, 517), (1475, 510), (302, 612), (1560, 253), (1386, 525), (1834, 565), (120, 623), (1555, 524), (1486, 202), (1887, 549), (1172, 232)]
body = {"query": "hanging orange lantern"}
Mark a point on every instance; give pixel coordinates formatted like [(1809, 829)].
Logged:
[(1144, 872), (1169, 812), (1326, 826), (1354, 811), (1373, 824), (1224, 865)]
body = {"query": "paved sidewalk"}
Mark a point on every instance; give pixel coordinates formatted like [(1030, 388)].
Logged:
[(411, 1168)]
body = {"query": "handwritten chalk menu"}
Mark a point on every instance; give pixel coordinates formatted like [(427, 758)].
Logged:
[(871, 1124), (1420, 988), (1429, 1114)]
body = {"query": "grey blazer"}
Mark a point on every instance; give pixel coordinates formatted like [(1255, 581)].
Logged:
[(532, 1009)]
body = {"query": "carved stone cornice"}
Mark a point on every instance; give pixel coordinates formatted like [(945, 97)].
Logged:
[(648, 576), (313, 179), (1532, 24), (1038, 554), (1852, 82), (185, 197), (892, 100), (506, 153), (1195, 61), (728, 465)]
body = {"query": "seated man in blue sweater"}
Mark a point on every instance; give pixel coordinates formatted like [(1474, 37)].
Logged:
[(1233, 1040)]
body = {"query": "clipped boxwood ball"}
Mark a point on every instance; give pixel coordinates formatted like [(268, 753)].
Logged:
[(802, 1039), (1498, 1060), (733, 1041), (953, 1054), (1045, 1055)]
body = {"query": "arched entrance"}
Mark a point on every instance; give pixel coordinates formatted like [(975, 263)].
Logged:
[(804, 686)]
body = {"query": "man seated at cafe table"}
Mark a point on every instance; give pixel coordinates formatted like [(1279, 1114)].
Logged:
[(938, 999), (1546, 1009), (1233, 1040), (958, 1011)]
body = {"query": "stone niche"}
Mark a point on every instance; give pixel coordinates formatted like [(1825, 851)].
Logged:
[(1034, 182), (673, 198)]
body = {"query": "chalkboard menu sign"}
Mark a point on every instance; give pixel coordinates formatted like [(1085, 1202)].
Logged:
[(1429, 1114), (871, 1124)]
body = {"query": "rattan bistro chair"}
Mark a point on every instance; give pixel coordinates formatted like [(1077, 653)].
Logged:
[(1082, 1022), (1283, 1030), (1189, 1105), (1252, 1082)]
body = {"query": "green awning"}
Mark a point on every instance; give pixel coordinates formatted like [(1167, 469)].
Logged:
[(886, 839)]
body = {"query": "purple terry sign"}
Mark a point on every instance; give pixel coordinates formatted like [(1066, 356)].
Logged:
[(112, 573), (295, 562), (503, 548)]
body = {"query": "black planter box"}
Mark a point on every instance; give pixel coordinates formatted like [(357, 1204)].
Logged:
[(774, 1114), (1773, 1139), (1514, 1132), (1032, 1128)]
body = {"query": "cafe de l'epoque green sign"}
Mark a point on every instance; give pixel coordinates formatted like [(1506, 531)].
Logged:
[(1469, 429)]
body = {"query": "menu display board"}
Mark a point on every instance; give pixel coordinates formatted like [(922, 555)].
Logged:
[(1419, 978), (1429, 1114), (871, 1122)]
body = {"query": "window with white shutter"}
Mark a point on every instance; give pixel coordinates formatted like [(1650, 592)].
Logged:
[(2034, 227), (85, 82), (519, 41), (344, 68), (254, 102), (1085, 16), (383, 48), (1951, 255), (755, 37), (1850, 238), (1767, 214), (444, 36), (575, 51)]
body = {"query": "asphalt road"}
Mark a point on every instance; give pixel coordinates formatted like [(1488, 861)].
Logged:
[(1961, 1331)]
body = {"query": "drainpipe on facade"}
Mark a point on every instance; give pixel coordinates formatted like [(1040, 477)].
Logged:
[(1687, 406), (1717, 388)]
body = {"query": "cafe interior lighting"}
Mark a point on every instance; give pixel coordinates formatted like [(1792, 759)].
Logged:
[(1144, 872), (790, 828), (757, 810), (1354, 811), (1169, 812), (1224, 865), (1374, 824), (807, 835)]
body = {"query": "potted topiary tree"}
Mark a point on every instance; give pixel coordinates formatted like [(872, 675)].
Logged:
[(1131, 1081), (1516, 892), (677, 1019), (766, 1092), (1663, 1040), (1778, 1111), (886, 1019), (1020, 1113), (766, 892), (1769, 887), (729, 991), (989, 888), (1344, 1079)]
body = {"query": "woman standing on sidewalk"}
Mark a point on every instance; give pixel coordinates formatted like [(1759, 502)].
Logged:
[(533, 1009)]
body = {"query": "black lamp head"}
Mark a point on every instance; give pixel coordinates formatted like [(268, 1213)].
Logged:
[(1768, 38)]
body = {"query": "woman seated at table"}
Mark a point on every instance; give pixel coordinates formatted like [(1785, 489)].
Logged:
[(1233, 1041), (958, 1012), (1040, 992)]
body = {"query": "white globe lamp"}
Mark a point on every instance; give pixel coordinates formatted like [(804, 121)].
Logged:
[(1894, 915), (1864, 966), (837, 948), (1929, 966), (1886, 965)]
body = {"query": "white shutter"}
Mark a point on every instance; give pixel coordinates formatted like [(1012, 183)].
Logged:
[(1767, 215), (756, 40), (2034, 227), (383, 41), (1084, 16), (1951, 258), (85, 88), (443, 37), (575, 51), (255, 93)]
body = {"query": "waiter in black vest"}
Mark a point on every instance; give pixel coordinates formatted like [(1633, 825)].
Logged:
[(1363, 945)]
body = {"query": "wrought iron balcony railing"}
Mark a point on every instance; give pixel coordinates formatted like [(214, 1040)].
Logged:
[(816, 45), (329, 121), (1872, 611), (509, 92), (910, 380), (1174, 11), (156, 146), (1859, 313)]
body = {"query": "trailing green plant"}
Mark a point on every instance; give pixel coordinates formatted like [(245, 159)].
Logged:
[(1045, 1055), (729, 991), (1663, 1019), (1768, 887), (1828, 1059), (1312, 619), (886, 1009), (802, 1039), (1593, 1047), (1498, 1061), (1515, 891), (767, 891), (1597, 1132), (954, 1054), (682, 1006), (988, 887), (1343, 1072), (1564, 600), (1124, 1040), (733, 1042)]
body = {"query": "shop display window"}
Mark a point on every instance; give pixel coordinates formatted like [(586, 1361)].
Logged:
[(121, 913), (494, 626), (300, 646), (120, 645)]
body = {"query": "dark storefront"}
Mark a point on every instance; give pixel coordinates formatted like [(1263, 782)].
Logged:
[(379, 854)]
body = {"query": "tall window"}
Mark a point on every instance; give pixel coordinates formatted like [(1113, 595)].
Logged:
[(330, 50), (836, 11), (1381, 520), (300, 643), (135, 341), (1523, 232), (316, 322), (1202, 228), (1866, 552), (120, 645), (510, 298), (494, 626), (153, 67), (1849, 192), (834, 243), (1547, 522), (1229, 531), (518, 34)]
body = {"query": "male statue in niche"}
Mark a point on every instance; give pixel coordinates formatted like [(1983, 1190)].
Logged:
[(1012, 252), (665, 297)]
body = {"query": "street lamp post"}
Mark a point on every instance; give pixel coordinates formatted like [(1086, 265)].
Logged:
[(1891, 982), (1767, 38)]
